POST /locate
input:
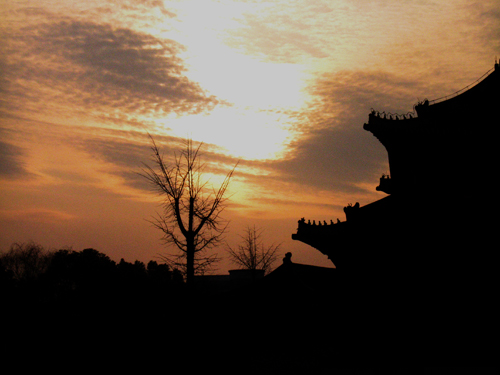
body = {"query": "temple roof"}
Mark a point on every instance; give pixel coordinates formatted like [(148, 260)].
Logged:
[(475, 99), (430, 154)]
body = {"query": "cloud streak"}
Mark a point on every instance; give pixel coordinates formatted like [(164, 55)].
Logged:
[(334, 153), (11, 165)]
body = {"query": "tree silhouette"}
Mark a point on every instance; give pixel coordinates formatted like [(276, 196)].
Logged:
[(26, 261), (191, 220), (252, 254)]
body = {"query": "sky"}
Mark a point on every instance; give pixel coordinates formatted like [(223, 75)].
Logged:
[(282, 88)]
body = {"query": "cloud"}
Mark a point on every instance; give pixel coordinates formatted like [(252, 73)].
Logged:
[(490, 29), (335, 159), (349, 93), (12, 164), (334, 153), (143, 5), (35, 215), (284, 32), (120, 156), (96, 68), (123, 153)]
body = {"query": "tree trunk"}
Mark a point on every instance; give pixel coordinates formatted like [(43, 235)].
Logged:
[(190, 261)]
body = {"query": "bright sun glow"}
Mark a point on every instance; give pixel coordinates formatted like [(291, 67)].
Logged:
[(241, 132), (255, 124)]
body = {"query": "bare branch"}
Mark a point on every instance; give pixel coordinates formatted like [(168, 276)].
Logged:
[(191, 219), (252, 254)]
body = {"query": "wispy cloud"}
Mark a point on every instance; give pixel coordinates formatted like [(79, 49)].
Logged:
[(11, 164), (334, 152), (142, 6), (290, 32), (35, 215), (489, 33)]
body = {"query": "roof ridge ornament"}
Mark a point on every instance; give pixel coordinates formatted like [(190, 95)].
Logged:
[(393, 116)]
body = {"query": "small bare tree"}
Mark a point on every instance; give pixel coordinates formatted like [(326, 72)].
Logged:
[(26, 261), (191, 220), (252, 254)]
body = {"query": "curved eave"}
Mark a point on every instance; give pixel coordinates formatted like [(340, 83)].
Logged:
[(477, 101), (320, 237), (478, 98), (384, 129)]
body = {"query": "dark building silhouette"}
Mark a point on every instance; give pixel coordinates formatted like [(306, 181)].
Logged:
[(433, 237)]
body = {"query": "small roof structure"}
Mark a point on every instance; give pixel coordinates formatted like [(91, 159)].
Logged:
[(300, 277)]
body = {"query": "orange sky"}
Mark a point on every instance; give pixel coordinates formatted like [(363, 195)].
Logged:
[(282, 86)]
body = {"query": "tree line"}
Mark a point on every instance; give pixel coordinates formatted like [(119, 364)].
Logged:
[(30, 274)]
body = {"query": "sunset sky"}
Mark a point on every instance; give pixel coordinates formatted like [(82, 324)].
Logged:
[(283, 87)]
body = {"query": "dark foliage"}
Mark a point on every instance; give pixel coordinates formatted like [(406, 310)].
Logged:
[(81, 278)]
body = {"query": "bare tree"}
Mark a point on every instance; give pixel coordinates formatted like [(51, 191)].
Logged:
[(252, 254), (26, 261), (191, 220)]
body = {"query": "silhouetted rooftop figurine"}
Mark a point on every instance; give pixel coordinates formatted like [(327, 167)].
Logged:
[(288, 258)]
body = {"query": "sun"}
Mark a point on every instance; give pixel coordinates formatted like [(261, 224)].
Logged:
[(256, 121), (260, 98), (244, 133)]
